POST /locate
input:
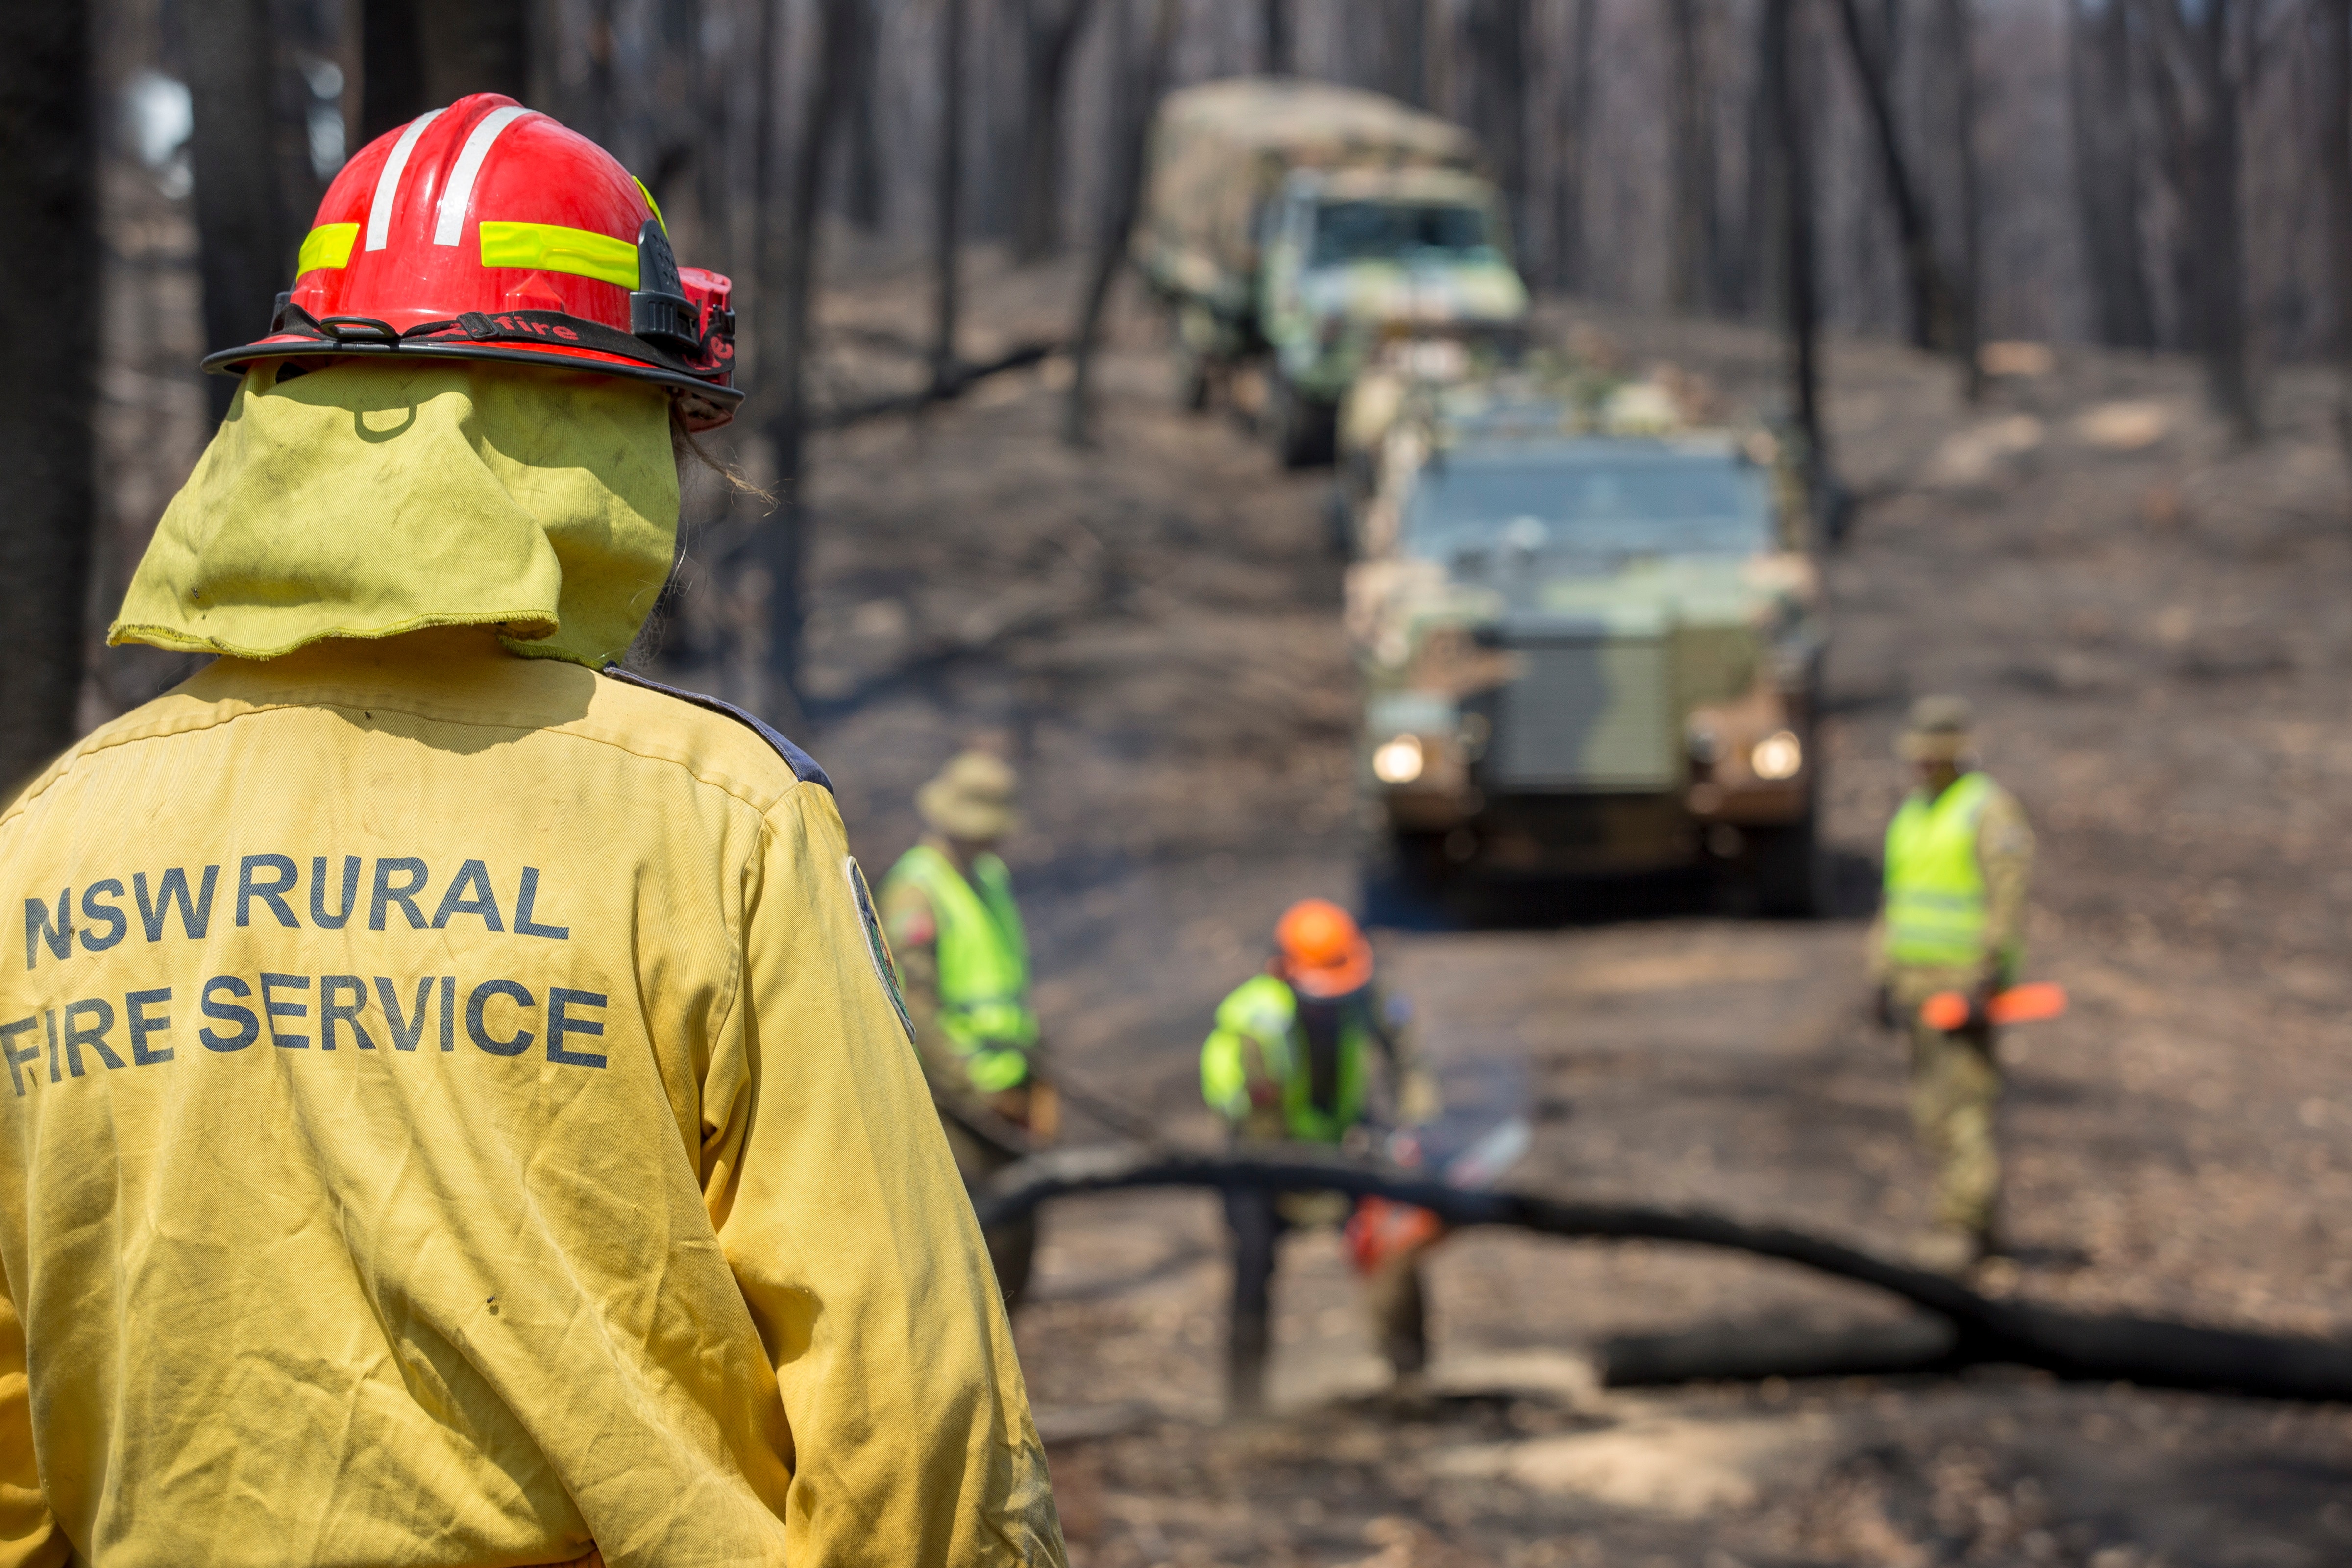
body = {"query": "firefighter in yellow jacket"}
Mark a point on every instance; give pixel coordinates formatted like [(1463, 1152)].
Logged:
[(956, 929), (1959, 854), (458, 1110)]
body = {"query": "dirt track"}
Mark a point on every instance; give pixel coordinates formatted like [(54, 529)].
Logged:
[(2158, 636)]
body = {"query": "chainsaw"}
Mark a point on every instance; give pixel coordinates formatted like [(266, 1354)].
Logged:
[(1381, 1228)]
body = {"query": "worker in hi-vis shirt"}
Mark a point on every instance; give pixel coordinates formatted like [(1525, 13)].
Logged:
[(459, 1108)]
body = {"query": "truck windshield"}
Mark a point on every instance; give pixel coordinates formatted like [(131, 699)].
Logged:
[(1391, 231), (1685, 504)]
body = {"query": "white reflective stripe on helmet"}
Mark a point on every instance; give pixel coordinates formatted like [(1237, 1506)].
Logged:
[(458, 195), (387, 185)]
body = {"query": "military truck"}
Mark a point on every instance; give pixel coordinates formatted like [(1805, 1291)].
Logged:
[(1591, 635), (1291, 226)]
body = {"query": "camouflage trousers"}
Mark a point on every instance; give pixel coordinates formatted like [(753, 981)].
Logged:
[(1392, 1295), (1954, 1097)]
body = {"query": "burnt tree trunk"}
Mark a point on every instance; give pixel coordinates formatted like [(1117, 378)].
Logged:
[(1399, 46), (475, 45), (1692, 96), (245, 242), (947, 192), (1141, 84), (1498, 51), (416, 54), (1435, 67), (1958, 84), (48, 185), (1273, 29), (767, 240), (1749, 258), (787, 275), (2331, 23), (392, 66), (862, 161), (1050, 31), (1927, 288), (715, 179), (761, 308), (2218, 215), (593, 109), (2201, 70), (2108, 173), (2165, 96), (1568, 269), (1791, 221)]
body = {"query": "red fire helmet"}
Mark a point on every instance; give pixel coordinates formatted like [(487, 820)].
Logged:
[(487, 230)]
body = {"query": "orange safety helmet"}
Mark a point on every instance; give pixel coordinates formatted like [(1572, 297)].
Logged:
[(1324, 953), (487, 231)]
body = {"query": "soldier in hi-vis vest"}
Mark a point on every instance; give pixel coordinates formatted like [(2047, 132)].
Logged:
[(1958, 855), (948, 905)]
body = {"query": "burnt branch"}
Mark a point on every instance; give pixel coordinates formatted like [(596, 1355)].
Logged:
[(951, 382), (2081, 1347)]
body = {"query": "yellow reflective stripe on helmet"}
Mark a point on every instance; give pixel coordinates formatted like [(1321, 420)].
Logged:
[(551, 247), (329, 245), (645, 191)]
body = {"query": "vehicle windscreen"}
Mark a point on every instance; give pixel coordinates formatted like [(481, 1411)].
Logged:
[(1683, 504), (1394, 231)]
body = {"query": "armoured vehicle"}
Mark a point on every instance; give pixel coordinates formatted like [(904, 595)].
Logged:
[(1295, 225), (1591, 636)]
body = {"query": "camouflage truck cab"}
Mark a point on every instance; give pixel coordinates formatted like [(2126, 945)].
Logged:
[(1295, 225), (1591, 642)]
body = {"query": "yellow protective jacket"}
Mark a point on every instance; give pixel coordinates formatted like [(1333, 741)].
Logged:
[(458, 1112)]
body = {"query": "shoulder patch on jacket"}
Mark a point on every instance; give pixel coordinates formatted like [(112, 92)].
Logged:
[(803, 766), (885, 966)]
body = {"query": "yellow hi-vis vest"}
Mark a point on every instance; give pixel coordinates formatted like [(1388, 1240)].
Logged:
[(983, 966), (1935, 888), (1261, 1016)]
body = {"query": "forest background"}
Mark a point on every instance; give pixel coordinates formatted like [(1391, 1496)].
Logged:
[(1978, 176)]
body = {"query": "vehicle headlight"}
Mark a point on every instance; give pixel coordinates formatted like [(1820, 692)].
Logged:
[(1397, 760), (1778, 755)]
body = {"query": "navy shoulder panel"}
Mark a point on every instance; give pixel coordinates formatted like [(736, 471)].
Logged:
[(803, 766)]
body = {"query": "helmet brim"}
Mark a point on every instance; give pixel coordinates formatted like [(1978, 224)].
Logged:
[(703, 404)]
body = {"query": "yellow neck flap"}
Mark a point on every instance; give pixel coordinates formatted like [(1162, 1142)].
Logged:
[(367, 500)]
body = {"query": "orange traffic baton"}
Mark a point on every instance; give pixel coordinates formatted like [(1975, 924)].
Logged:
[(1951, 1010)]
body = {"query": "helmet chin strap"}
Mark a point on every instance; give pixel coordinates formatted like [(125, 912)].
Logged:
[(363, 334)]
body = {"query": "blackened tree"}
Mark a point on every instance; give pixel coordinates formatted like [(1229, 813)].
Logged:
[(49, 182), (1049, 36), (2107, 172)]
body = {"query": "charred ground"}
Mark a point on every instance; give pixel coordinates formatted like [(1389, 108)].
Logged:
[(2153, 626)]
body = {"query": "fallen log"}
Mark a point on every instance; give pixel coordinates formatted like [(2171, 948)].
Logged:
[(2080, 1347), (1752, 1352)]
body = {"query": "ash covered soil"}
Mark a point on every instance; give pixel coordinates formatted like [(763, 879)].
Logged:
[(2156, 631)]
